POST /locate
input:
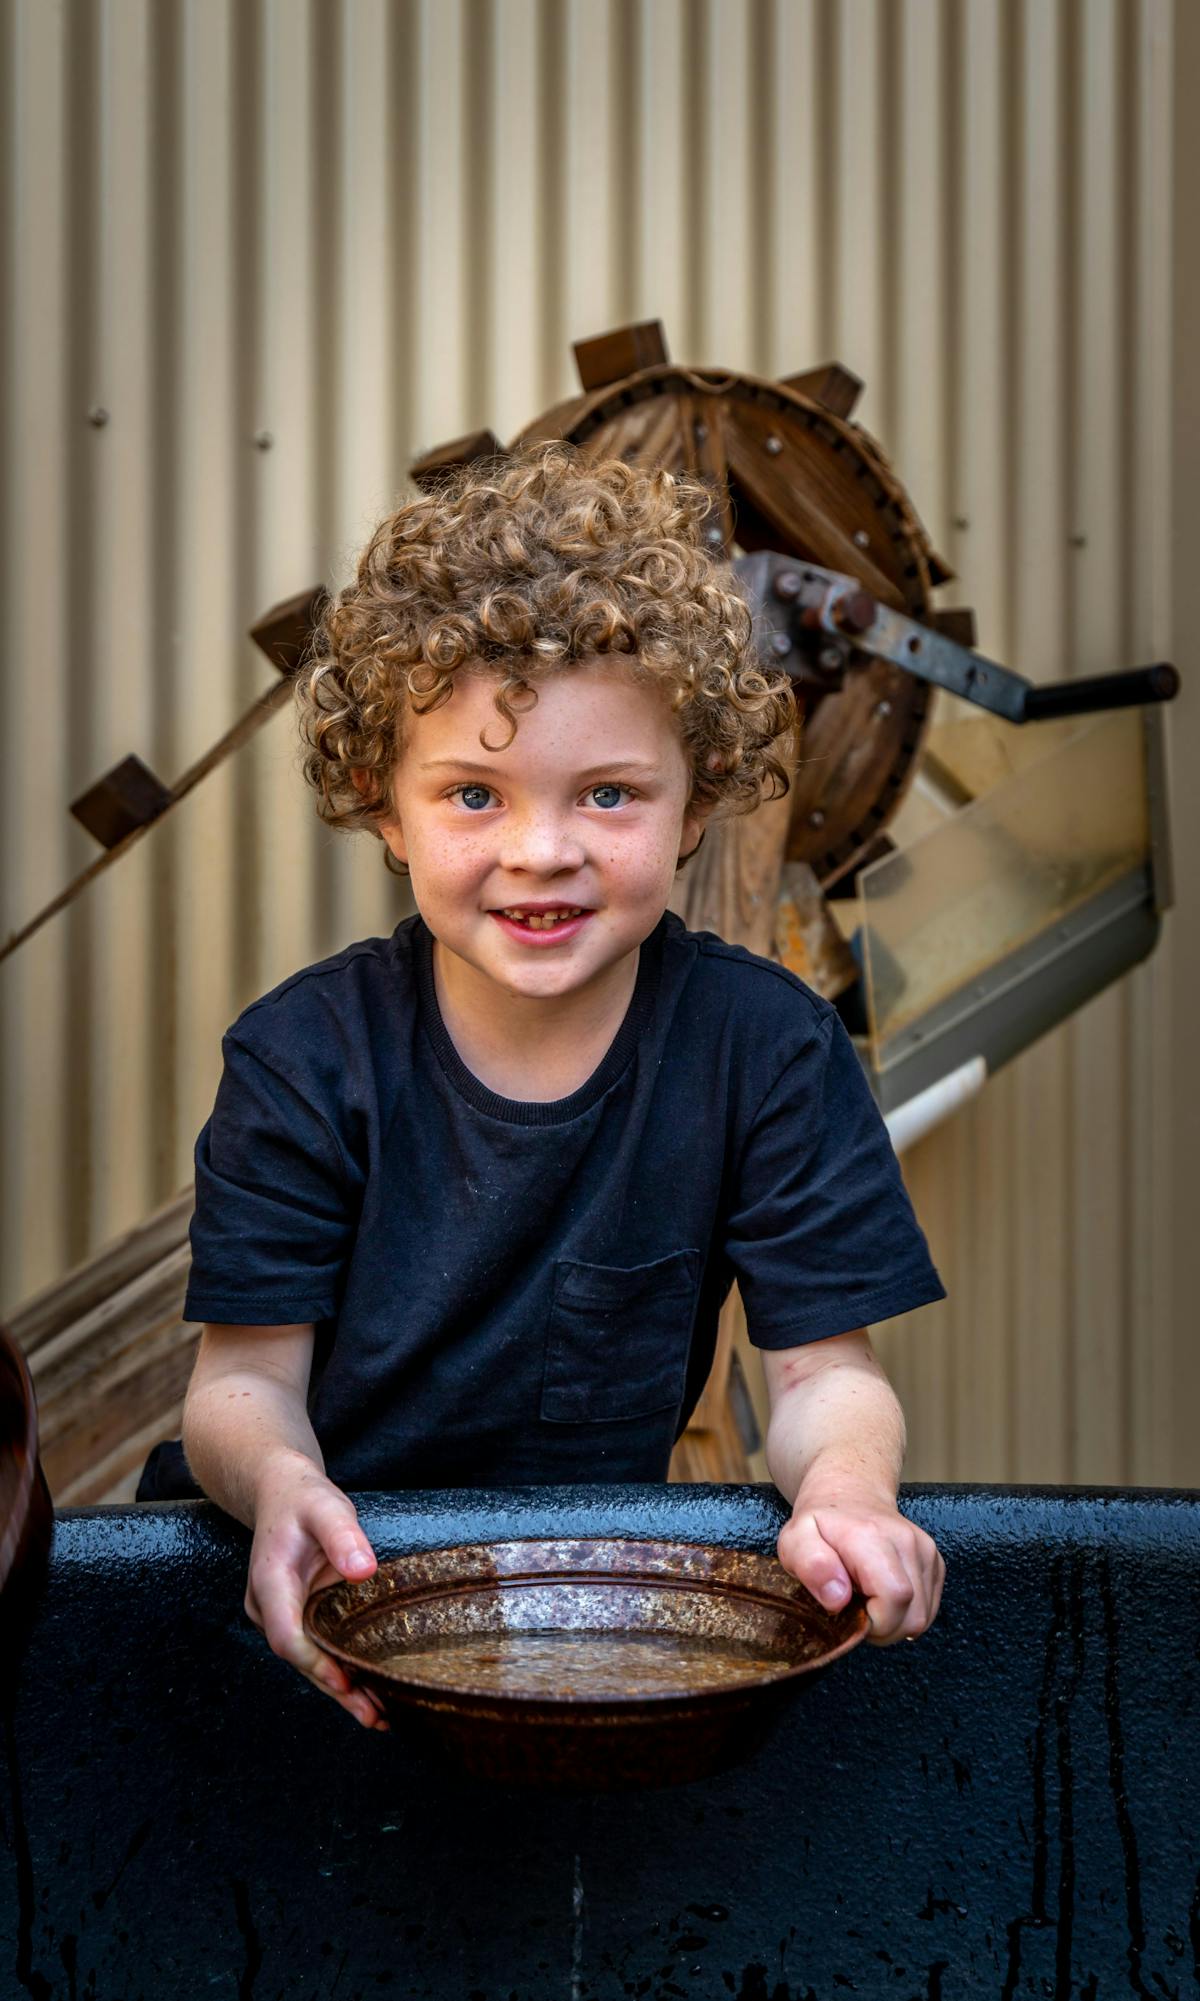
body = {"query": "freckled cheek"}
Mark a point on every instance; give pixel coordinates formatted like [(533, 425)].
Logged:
[(662, 848), (642, 866), (445, 867)]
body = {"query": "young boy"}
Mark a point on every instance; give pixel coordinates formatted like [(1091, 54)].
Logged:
[(471, 1196)]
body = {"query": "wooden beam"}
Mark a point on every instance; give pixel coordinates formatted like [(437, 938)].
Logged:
[(81, 1290)]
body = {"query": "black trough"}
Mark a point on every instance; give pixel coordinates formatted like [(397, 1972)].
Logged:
[(1007, 1808)]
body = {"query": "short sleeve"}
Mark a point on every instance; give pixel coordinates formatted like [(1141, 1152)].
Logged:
[(821, 1234), (275, 1203)]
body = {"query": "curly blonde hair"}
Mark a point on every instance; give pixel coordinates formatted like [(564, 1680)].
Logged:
[(516, 567)]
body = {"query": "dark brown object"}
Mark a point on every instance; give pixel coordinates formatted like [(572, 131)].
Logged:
[(26, 1515), (127, 797), (625, 351), (957, 622), (426, 471), (833, 387), (284, 632), (707, 1641)]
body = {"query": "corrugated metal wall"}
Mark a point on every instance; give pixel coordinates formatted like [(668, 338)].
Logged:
[(260, 253)]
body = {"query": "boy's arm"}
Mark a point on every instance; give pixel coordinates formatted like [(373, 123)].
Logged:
[(249, 1444), (245, 1412), (835, 1447)]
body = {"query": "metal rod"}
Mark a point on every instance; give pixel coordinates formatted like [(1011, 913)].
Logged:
[(1126, 690)]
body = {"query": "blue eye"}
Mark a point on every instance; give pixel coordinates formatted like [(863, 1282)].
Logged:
[(474, 797), (608, 795)]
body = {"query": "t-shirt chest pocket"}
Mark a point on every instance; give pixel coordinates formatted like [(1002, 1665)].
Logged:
[(618, 1339)]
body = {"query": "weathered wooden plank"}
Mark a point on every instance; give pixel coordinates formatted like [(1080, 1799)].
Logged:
[(96, 1348), (115, 1477), (117, 1409), (83, 1289)]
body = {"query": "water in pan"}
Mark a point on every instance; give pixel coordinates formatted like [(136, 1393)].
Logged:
[(584, 1666)]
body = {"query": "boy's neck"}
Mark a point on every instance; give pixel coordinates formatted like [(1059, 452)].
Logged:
[(533, 1049)]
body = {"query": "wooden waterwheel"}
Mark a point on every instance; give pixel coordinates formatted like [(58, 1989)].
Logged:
[(788, 471)]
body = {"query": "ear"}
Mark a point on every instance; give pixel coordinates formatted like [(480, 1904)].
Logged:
[(691, 833), (392, 832), (389, 829), (696, 816)]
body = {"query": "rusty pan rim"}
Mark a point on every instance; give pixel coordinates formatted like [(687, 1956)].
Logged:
[(526, 1706), (560, 1553)]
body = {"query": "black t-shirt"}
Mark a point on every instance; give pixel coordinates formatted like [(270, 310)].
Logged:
[(507, 1292)]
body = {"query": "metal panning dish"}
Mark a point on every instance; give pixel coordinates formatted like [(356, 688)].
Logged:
[(600, 1664)]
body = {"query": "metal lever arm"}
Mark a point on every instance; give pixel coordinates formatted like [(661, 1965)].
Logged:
[(825, 601)]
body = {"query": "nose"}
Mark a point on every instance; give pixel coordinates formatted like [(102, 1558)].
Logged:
[(541, 841)]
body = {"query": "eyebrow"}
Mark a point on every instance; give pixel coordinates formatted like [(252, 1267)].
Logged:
[(593, 771)]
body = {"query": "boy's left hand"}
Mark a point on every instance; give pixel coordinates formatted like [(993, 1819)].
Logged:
[(862, 1543)]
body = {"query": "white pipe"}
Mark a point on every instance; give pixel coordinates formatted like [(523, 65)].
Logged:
[(911, 1121)]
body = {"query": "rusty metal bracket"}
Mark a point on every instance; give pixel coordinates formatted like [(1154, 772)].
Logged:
[(825, 619)]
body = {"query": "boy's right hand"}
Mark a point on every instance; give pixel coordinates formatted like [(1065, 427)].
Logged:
[(306, 1535)]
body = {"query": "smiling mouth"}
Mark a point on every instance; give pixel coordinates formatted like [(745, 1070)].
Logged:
[(543, 920)]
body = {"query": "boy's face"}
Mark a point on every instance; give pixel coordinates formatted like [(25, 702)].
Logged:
[(585, 810)]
